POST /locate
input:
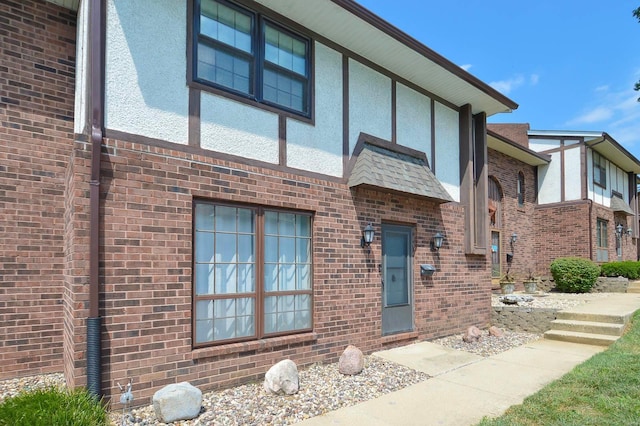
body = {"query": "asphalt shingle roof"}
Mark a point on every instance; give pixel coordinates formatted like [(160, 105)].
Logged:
[(383, 168)]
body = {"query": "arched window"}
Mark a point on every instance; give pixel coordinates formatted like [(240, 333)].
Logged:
[(520, 189), (495, 203)]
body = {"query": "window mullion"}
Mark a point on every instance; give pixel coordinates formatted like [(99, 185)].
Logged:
[(258, 46), (259, 262)]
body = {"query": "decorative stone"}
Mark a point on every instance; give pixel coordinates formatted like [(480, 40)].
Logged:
[(351, 361), (282, 378), (495, 331), (473, 334), (514, 300), (178, 401)]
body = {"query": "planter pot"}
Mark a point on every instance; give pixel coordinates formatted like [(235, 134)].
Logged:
[(531, 286), (507, 287)]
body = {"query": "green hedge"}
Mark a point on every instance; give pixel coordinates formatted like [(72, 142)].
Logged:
[(574, 275), (628, 269)]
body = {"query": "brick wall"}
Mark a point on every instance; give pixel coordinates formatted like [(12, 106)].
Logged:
[(515, 218), (147, 193), (37, 54)]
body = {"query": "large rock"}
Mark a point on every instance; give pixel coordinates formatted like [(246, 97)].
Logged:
[(351, 361), (495, 331), (282, 378), (472, 335), (179, 401)]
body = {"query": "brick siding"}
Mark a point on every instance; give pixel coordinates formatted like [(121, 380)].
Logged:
[(37, 56), (147, 193)]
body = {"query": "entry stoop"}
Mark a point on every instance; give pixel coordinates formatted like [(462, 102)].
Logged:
[(587, 328), (634, 287)]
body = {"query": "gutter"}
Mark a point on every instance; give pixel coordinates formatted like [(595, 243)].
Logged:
[(96, 79)]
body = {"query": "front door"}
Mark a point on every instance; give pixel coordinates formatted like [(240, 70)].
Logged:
[(397, 303)]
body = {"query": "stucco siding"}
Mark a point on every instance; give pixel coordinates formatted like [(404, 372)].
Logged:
[(234, 128), (80, 110), (447, 140), (146, 91), (413, 119), (369, 103), (318, 147), (540, 145), (572, 174), (549, 181)]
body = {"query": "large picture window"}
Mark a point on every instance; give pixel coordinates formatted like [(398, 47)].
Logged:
[(245, 53), (252, 273)]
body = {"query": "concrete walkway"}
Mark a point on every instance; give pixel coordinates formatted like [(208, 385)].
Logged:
[(465, 387)]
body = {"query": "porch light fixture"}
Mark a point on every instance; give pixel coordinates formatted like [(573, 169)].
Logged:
[(437, 241), (619, 229), (367, 236), (629, 231), (514, 238)]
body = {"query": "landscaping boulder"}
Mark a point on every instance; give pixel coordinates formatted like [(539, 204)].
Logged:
[(178, 401), (351, 361), (495, 331), (282, 378), (472, 335)]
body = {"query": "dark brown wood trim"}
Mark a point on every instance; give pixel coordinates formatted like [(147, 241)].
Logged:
[(433, 136), (194, 117), (190, 41), (467, 178), (129, 137), (563, 183), (560, 204), (345, 115), (633, 201), (282, 140), (394, 112), (481, 183)]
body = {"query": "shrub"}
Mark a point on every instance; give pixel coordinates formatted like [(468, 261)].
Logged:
[(628, 269), (574, 275), (53, 407)]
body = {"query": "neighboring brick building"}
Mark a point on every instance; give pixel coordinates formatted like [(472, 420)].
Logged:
[(200, 218), (580, 196)]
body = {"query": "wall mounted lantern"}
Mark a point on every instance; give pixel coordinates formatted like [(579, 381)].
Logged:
[(619, 229), (514, 238), (437, 241), (367, 236)]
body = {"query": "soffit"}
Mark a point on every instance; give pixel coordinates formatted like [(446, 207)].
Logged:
[(618, 205), (514, 150), (69, 4), (348, 24), (382, 168), (615, 153)]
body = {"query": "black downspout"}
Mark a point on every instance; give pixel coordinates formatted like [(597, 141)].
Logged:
[(95, 80)]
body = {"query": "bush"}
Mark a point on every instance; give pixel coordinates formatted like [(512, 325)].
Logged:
[(628, 269), (574, 275), (53, 407)]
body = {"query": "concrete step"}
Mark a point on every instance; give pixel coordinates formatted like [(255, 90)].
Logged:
[(588, 327), (591, 317), (634, 287), (577, 337)]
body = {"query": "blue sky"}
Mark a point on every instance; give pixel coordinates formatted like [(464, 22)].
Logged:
[(570, 65)]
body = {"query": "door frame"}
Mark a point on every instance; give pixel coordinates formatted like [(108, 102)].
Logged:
[(404, 313)]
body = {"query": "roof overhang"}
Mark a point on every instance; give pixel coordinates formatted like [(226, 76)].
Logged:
[(69, 4), (614, 152), (355, 28), (514, 150), (385, 166)]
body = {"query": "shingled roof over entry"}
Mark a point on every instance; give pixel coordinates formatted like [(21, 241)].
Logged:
[(379, 167)]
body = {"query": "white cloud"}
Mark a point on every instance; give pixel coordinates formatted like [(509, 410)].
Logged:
[(506, 86), (595, 115), (603, 88), (534, 79), (466, 67)]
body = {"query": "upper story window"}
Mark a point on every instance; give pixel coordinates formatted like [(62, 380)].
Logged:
[(244, 53), (520, 189), (599, 170)]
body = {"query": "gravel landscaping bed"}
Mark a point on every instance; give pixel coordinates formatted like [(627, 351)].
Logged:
[(322, 387)]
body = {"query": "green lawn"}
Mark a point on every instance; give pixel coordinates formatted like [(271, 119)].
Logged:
[(604, 390)]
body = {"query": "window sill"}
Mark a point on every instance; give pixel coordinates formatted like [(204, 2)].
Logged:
[(254, 345), (399, 337)]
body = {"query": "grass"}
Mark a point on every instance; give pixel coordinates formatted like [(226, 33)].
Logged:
[(52, 407), (604, 390)]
